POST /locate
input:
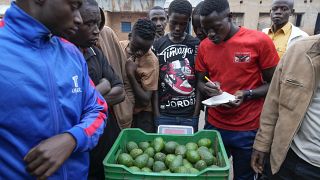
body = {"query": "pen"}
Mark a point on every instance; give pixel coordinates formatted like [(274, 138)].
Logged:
[(216, 84), (209, 80)]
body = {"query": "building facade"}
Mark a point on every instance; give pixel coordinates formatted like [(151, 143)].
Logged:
[(253, 14)]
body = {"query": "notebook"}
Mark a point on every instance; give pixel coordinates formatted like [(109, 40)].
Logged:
[(220, 99)]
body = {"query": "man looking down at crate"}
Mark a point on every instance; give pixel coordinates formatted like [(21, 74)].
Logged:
[(142, 70), (51, 115), (103, 76)]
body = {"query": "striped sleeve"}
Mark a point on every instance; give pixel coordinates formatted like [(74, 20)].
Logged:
[(93, 117)]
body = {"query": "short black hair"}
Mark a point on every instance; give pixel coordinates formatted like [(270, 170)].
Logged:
[(180, 7), (210, 6), (145, 29), (157, 8), (289, 2), (196, 10)]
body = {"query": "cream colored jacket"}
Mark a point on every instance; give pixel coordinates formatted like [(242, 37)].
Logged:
[(291, 91)]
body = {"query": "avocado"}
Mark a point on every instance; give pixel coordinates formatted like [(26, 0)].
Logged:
[(125, 159), (165, 171), (181, 169), (146, 169), (141, 161), (159, 166), (207, 157), (193, 170), (159, 156), (200, 165), (131, 145), (213, 166), (177, 162), (144, 145), (135, 169), (205, 142), (169, 159), (202, 148), (186, 163), (170, 147), (191, 146), (150, 162), (135, 153), (181, 150), (192, 156), (211, 151), (150, 151), (158, 144)]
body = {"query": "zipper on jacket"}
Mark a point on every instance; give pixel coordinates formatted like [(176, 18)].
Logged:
[(53, 104), (64, 172), (294, 82), (314, 86), (52, 95)]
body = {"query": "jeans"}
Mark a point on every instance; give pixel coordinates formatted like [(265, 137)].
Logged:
[(239, 145), (183, 121), (294, 168)]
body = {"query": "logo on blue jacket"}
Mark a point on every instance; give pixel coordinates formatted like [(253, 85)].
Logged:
[(76, 88)]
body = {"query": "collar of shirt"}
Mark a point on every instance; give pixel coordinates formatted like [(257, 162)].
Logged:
[(285, 30), (88, 53)]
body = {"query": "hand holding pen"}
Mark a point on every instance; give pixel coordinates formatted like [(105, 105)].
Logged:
[(212, 88)]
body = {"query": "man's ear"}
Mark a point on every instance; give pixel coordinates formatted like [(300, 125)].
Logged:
[(292, 12), (230, 15)]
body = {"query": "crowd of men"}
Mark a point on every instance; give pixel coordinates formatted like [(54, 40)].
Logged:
[(69, 86)]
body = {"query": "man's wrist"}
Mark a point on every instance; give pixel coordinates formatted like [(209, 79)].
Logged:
[(248, 94)]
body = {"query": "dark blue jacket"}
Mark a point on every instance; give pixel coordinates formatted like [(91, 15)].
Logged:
[(45, 90)]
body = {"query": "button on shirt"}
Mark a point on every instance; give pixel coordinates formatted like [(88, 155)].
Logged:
[(280, 38)]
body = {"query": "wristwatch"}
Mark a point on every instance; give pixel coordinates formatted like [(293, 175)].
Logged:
[(248, 94)]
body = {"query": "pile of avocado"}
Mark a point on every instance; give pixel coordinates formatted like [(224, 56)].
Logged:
[(168, 157)]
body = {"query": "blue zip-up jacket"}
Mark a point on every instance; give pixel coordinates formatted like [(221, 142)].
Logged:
[(45, 90)]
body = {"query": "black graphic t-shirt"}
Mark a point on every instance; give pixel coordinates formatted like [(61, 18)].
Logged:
[(177, 79)]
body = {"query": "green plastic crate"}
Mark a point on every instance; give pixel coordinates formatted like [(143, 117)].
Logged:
[(117, 171)]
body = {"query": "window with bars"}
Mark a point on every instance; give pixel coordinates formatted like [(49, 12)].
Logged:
[(237, 18), (126, 27), (299, 21)]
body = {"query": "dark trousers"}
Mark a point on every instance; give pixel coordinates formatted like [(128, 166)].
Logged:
[(239, 145), (294, 168), (97, 155), (144, 121)]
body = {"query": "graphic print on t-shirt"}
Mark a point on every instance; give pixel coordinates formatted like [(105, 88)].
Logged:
[(177, 76), (242, 57), (177, 80)]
